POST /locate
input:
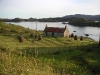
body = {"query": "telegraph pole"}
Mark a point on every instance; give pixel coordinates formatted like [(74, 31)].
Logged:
[(36, 27), (36, 51)]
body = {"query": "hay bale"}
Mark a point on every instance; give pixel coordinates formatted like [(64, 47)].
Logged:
[(81, 38), (75, 37), (72, 35), (36, 36), (40, 37), (20, 38)]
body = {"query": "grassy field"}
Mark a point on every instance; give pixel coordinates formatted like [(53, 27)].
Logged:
[(49, 56)]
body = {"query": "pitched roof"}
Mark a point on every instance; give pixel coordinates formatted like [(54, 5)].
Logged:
[(54, 29)]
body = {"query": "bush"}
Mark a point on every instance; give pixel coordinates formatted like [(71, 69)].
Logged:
[(31, 35), (75, 37), (20, 38), (56, 53)]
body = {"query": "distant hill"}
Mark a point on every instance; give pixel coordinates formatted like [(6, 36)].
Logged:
[(89, 17), (55, 19)]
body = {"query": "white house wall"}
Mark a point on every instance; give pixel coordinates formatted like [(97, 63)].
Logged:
[(49, 33), (66, 33), (60, 34), (55, 34), (44, 33)]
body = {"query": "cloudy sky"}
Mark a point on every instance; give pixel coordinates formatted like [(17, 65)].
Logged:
[(47, 8)]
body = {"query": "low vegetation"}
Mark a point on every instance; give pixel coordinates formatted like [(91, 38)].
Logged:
[(84, 22), (48, 56)]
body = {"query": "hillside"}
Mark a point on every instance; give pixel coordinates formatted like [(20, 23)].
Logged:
[(55, 19), (48, 56), (88, 17), (84, 22)]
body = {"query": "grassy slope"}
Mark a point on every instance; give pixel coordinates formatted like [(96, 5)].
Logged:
[(56, 56)]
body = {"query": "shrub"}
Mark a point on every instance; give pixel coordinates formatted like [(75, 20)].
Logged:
[(56, 53), (31, 35), (20, 38), (75, 37)]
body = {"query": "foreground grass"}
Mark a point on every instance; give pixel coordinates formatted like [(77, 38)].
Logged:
[(54, 57), (11, 64), (49, 56)]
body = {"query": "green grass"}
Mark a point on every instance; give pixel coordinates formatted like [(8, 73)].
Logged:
[(55, 55)]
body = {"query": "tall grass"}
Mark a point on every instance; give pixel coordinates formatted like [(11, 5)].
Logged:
[(11, 64), (53, 59)]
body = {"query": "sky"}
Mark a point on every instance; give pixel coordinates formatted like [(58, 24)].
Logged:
[(47, 8)]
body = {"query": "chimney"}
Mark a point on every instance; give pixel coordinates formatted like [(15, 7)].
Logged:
[(66, 27), (46, 26)]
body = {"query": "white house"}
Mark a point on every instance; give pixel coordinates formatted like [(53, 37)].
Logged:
[(55, 31)]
